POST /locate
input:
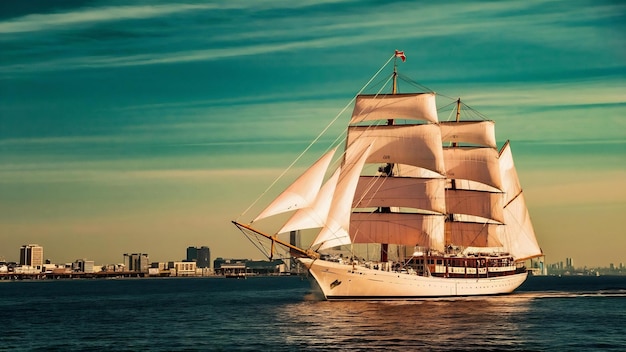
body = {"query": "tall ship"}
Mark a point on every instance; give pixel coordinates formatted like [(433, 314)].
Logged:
[(405, 205)]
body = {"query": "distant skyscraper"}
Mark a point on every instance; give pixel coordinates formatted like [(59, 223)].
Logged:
[(294, 239), (192, 254), (32, 254), (202, 256), (136, 262)]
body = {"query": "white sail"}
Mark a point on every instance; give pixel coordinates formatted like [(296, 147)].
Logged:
[(398, 228), (510, 181), (472, 234), (426, 194), (302, 192), (475, 164), (418, 106), (315, 215), (404, 170), (422, 208), (474, 132), (336, 230), (487, 205), (417, 145), (519, 235)]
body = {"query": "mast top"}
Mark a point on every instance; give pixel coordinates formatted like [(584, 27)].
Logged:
[(397, 54), (394, 89)]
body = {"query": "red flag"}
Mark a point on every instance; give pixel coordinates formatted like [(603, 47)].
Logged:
[(401, 55)]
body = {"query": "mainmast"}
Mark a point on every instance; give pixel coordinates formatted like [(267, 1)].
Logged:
[(394, 89), (387, 170)]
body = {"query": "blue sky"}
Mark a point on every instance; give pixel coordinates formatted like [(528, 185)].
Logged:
[(146, 126)]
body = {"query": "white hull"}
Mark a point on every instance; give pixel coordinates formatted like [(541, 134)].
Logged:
[(344, 281)]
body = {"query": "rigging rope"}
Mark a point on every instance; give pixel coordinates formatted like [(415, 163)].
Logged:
[(316, 139)]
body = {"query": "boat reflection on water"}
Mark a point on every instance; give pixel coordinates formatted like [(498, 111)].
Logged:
[(461, 323)]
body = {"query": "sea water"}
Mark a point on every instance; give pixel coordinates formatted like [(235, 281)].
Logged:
[(286, 314)]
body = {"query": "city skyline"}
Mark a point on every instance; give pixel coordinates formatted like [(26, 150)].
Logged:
[(191, 253), (32, 254), (142, 127)]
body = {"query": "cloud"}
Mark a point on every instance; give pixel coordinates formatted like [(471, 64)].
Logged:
[(91, 16), (218, 32), (97, 173)]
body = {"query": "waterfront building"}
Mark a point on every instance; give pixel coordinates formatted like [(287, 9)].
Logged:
[(182, 268), (161, 266), (32, 255), (204, 257), (201, 255), (242, 267), (113, 267), (538, 266), (83, 266), (136, 262)]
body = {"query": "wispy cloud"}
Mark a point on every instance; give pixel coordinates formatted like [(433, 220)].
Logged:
[(91, 16), (238, 36)]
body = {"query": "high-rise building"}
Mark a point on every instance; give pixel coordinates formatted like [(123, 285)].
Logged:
[(294, 239), (202, 256), (136, 262), (192, 254), (569, 263), (32, 255)]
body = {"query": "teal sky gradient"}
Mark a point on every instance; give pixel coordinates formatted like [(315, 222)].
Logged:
[(146, 126)]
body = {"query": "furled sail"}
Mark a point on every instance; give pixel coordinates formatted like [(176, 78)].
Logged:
[(398, 228), (303, 191), (473, 132), (417, 145), (417, 106), (519, 236), (336, 229)]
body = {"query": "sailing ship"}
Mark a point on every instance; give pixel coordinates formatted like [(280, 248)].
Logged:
[(413, 207)]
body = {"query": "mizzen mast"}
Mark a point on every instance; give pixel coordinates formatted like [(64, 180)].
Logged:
[(454, 145)]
